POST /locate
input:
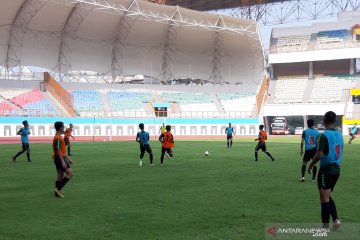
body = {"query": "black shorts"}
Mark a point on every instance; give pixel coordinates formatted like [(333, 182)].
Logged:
[(164, 150), (58, 164), (260, 145), (146, 148), (328, 176), (67, 141), (228, 137), (25, 147), (309, 154)]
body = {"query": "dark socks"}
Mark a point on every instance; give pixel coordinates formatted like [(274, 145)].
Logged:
[(333, 210), (28, 157), (162, 159), (256, 156), (57, 184), (267, 153), (68, 150), (303, 169), (151, 158), (325, 214), (314, 172), (231, 143), (63, 182), (228, 144)]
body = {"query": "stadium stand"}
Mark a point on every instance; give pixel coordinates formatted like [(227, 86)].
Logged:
[(233, 102), (5, 108), (290, 89), (26, 102), (86, 101), (191, 102), (333, 39), (328, 88), (293, 43), (124, 101)]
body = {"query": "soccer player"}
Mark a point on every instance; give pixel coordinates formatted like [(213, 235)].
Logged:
[(352, 133), (229, 131), (167, 141), (329, 152), (143, 138), (309, 137), (61, 160), (24, 133), (68, 134), (162, 129), (261, 144)]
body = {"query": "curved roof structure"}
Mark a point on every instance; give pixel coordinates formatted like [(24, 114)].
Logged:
[(128, 37)]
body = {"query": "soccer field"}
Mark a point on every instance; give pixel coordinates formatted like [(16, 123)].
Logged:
[(224, 196)]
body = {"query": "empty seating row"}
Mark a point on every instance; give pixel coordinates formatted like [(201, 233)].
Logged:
[(122, 101), (293, 40), (87, 100), (238, 102), (186, 98), (290, 89)]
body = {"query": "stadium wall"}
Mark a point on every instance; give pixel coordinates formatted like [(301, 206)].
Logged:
[(302, 109), (88, 127)]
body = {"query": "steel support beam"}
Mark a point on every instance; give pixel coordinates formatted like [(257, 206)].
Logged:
[(72, 24), (218, 54), (166, 75), (23, 18), (292, 11), (122, 31)]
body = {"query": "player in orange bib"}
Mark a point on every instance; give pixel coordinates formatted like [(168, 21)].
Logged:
[(68, 134), (261, 144), (167, 141), (61, 160)]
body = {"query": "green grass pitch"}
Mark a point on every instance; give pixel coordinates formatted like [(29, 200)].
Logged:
[(224, 196)]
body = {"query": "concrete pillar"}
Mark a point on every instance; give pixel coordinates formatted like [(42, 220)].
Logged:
[(311, 70), (305, 121), (267, 125), (352, 66), (271, 69)]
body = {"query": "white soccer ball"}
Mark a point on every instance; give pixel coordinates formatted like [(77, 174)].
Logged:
[(206, 153)]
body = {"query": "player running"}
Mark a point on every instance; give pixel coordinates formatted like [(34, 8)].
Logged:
[(68, 134), (329, 152), (229, 131), (167, 141), (309, 137), (162, 129), (143, 138), (352, 133), (261, 144), (61, 160), (24, 133)]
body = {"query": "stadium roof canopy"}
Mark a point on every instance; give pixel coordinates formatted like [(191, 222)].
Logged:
[(208, 5), (128, 37)]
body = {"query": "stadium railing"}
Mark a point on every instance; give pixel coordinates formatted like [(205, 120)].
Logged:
[(127, 114)]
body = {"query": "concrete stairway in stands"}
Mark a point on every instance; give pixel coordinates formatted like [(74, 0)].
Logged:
[(271, 92), (217, 103), (106, 103), (57, 105), (308, 90)]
